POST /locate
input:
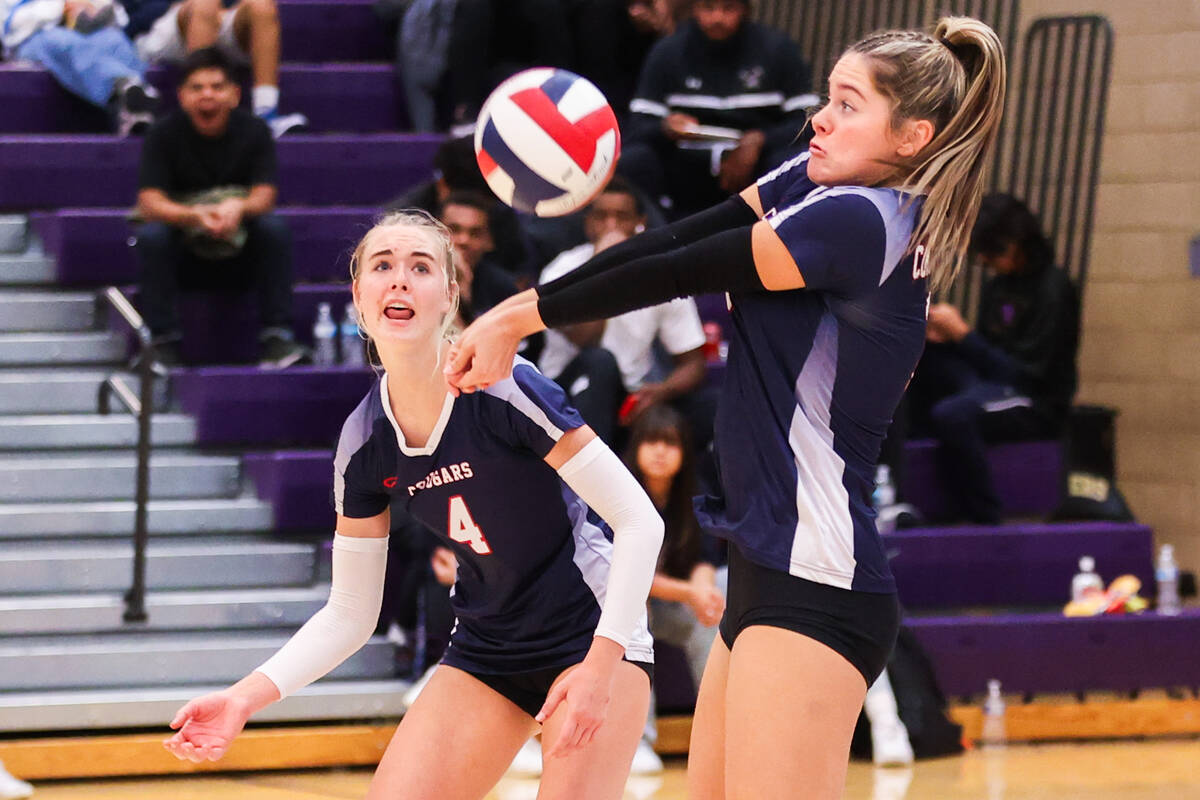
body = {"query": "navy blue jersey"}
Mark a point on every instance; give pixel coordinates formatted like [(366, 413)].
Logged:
[(814, 376), (533, 558)]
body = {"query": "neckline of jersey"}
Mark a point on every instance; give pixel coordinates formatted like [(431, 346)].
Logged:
[(435, 436)]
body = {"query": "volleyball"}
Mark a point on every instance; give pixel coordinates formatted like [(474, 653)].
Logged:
[(547, 141)]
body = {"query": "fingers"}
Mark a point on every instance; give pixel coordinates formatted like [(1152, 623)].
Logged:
[(555, 697)]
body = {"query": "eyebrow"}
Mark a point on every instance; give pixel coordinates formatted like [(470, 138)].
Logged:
[(850, 88), (381, 253)]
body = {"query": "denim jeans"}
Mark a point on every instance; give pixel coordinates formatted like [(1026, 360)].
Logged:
[(86, 65)]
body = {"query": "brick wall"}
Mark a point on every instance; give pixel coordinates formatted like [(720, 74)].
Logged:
[(1140, 348)]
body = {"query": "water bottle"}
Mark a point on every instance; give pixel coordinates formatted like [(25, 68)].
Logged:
[(1086, 580), (352, 344), (994, 734), (885, 492), (324, 337), (1166, 574)]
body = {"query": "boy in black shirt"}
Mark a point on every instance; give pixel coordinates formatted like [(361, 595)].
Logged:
[(206, 193), (1014, 376)]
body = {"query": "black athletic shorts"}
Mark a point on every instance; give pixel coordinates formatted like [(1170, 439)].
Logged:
[(859, 626), (529, 689)]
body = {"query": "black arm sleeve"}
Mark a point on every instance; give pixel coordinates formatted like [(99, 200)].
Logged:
[(720, 263), (730, 214)]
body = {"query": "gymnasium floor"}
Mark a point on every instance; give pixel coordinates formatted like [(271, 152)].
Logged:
[(1161, 769)]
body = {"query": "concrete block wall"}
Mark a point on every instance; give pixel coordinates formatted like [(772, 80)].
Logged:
[(1140, 347)]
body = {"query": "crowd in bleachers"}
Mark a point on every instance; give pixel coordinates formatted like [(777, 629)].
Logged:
[(708, 99)]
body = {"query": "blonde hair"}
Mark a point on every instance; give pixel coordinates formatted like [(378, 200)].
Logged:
[(955, 79), (445, 254)]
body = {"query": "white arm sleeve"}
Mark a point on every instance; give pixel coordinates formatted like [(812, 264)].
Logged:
[(602, 481), (343, 625)]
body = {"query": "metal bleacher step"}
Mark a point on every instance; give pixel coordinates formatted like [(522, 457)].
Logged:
[(116, 517), (30, 267), (59, 390), (153, 706), (105, 566), (27, 310), (13, 232), (67, 431), (33, 477), (145, 659), (94, 347), (220, 609)]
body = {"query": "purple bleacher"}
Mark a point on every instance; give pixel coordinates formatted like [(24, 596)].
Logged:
[(91, 246), (358, 98), (297, 483), (1028, 478), (334, 30), (1050, 653), (299, 406), (1011, 565), (71, 171)]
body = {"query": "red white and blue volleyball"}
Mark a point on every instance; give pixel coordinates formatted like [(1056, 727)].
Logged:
[(547, 141)]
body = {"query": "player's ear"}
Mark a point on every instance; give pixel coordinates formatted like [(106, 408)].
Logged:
[(914, 135)]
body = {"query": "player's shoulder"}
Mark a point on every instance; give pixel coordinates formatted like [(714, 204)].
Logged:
[(524, 380), (360, 423)]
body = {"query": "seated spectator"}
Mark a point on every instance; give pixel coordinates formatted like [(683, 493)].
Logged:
[(207, 192), (599, 363), (247, 31), (84, 48), (481, 282), (1014, 376), (455, 169), (686, 600), (719, 102)]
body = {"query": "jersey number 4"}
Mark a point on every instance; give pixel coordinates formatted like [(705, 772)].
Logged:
[(463, 528)]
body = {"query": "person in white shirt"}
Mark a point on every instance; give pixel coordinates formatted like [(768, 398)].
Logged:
[(608, 368)]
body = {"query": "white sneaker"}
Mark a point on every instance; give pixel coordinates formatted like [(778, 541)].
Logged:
[(528, 760), (645, 760), (11, 788), (890, 746), (284, 123), (410, 696)]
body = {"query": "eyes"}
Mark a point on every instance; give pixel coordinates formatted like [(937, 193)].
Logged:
[(420, 267)]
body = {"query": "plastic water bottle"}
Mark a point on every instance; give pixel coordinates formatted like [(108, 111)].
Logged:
[(352, 344), (994, 733), (324, 337), (1086, 580), (884, 497), (1166, 574)]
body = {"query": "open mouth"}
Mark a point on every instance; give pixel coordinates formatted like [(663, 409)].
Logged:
[(398, 311)]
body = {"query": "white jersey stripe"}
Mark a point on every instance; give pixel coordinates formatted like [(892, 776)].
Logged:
[(801, 101), (756, 100), (641, 106), (823, 547)]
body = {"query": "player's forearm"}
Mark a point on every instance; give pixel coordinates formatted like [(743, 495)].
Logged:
[(254, 692), (673, 590)]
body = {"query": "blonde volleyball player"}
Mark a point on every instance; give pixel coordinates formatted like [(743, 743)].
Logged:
[(828, 262), (556, 541)]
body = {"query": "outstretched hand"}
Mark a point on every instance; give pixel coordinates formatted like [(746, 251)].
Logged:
[(484, 353), (206, 726)]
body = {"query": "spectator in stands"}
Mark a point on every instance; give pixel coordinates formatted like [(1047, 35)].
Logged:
[(719, 102), (83, 47), (206, 195), (1013, 376), (686, 601), (12, 788), (612, 39), (482, 283), (455, 168), (247, 31), (581, 358)]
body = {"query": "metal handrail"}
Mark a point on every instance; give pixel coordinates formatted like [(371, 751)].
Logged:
[(141, 406)]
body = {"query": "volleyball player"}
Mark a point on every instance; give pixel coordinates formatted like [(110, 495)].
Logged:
[(828, 262), (550, 601)]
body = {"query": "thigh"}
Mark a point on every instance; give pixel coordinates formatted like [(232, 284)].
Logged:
[(706, 753), (454, 743), (791, 703), (599, 771)]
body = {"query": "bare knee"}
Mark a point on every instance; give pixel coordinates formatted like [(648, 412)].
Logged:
[(199, 10), (260, 11)]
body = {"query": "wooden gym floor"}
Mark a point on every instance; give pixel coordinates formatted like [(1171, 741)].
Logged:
[(1129, 770)]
